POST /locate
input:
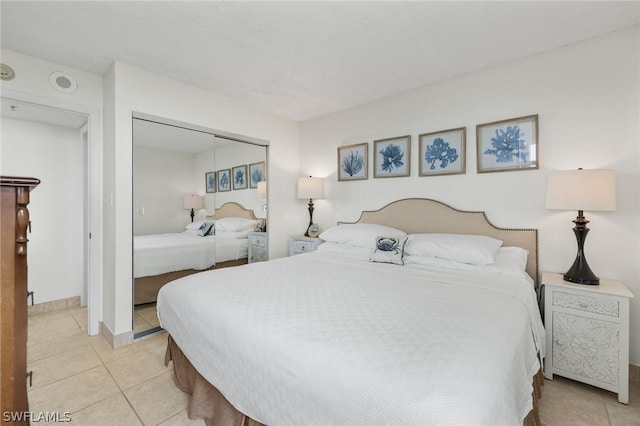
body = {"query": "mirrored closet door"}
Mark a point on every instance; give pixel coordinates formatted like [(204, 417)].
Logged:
[(184, 179)]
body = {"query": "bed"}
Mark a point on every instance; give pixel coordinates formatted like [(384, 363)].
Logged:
[(331, 337), (160, 258)]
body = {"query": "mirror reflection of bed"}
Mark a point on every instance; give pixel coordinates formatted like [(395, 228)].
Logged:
[(169, 163)]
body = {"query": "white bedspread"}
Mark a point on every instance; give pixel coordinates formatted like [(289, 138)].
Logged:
[(326, 339), (161, 253)]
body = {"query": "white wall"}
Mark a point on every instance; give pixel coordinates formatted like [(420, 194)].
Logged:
[(128, 90), (52, 154), (161, 179), (587, 98)]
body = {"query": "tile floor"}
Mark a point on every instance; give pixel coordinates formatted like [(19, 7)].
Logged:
[(83, 375)]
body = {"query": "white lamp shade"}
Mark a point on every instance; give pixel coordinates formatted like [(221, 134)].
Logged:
[(593, 190), (262, 190), (310, 187), (192, 202)]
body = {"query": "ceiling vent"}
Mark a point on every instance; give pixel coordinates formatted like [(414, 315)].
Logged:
[(63, 82), (6, 72)]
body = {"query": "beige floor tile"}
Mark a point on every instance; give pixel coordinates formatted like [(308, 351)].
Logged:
[(43, 348), (158, 399), (149, 314), (59, 327), (80, 316), (140, 324), (114, 411), (34, 318), (623, 415), (181, 419), (62, 365), (75, 392), (568, 403), (138, 367)]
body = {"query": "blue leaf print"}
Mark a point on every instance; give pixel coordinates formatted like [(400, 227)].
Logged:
[(256, 176), (353, 163), (211, 181), (239, 178), (392, 157), (440, 151), (508, 144), (224, 180)]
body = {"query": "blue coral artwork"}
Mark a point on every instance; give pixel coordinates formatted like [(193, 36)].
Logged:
[(443, 152), (224, 180), (392, 157), (239, 175), (508, 145), (210, 182), (256, 174), (352, 162)]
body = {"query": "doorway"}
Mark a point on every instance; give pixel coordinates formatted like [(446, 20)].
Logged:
[(83, 122)]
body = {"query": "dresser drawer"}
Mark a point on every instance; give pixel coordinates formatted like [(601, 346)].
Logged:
[(258, 240), (302, 246)]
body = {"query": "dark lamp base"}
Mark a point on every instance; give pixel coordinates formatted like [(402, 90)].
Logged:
[(581, 280), (580, 273)]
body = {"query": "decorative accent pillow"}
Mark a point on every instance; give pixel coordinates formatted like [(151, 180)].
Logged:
[(359, 234), (235, 224), (473, 249), (389, 250), (197, 224), (205, 229)]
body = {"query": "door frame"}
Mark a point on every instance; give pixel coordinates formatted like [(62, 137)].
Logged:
[(94, 202)]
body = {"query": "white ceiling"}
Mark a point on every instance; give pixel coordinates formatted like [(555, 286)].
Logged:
[(302, 59)]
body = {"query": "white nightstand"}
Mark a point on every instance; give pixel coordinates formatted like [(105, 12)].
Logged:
[(258, 249), (300, 244), (587, 331)]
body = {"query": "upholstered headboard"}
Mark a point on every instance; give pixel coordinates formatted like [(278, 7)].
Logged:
[(422, 215), (233, 209)]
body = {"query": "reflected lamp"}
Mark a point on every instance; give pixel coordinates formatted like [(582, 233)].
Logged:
[(581, 190), (193, 202)]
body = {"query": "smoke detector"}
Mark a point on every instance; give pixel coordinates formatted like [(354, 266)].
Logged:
[(6, 72), (63, 82)]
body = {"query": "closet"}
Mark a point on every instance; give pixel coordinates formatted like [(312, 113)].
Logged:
[(15, 192)]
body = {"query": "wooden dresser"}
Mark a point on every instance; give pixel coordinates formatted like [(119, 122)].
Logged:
[(13, 296)]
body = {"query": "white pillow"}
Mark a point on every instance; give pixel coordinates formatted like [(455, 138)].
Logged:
[(197, 224), (473, 249), (509, 260), (235, 224), (359, 234), (232, 234)]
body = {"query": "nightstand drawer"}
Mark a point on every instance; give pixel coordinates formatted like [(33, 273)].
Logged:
[(596, 305), (258, 240), (302, 246)]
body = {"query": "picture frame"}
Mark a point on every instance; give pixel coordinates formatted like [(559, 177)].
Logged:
[(392, 157), (508, 145), (257, 174), (239, 177), (443, 152), (353, 162), (224, 180), (210, 182)]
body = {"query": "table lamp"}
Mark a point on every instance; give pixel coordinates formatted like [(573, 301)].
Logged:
[(310, 187)]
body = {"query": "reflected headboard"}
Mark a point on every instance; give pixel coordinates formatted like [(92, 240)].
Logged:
[(423, 215), (233, 209)]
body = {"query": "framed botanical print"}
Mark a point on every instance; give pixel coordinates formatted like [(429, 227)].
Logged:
[(508, 145), (352, 162), (392, 157), (256, 174), (239, 176), (443, 152), (224, 180), (210, 182)]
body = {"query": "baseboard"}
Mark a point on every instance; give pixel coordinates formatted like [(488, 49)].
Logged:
[(54, 305), (116, 340), (634, 373)]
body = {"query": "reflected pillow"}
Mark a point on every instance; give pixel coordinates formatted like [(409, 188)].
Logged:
[(205, 229), (235, 224), (232, 234), (389, 250), (473, 249), (197, 224), (359, 234)]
